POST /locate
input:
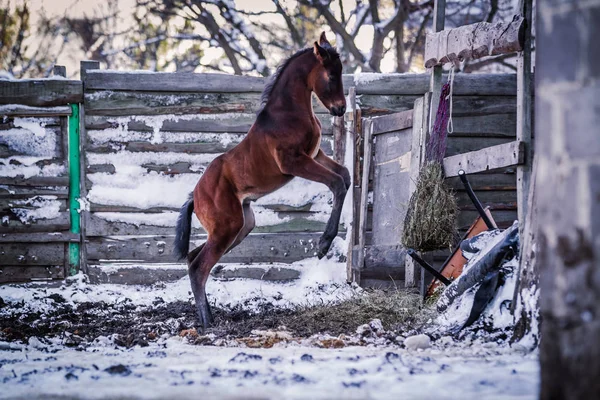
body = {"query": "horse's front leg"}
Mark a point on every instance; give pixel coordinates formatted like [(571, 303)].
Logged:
[(305, 167)]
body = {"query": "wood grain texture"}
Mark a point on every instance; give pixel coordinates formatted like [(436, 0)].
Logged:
[(488, 158), (41, 92), (474, 41)]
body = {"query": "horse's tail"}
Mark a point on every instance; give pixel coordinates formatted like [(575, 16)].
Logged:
[(184, 229)]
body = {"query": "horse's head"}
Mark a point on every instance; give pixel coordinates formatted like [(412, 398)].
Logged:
[(327, 77)]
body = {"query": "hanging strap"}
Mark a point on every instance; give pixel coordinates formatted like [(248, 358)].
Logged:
[(450, 125)]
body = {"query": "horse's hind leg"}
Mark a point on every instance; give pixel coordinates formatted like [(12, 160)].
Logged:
[(225, 223), (249, 223)]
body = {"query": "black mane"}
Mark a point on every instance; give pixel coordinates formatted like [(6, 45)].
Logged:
[(264, 97)]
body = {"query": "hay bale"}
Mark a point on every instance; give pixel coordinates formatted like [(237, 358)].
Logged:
[(430, 222)]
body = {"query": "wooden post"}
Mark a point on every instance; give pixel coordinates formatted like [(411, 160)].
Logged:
[(59, 70), (420, 126), (439, 14), (351, 133), (339, 139), (364, 198), (524, 115), (85, 66)]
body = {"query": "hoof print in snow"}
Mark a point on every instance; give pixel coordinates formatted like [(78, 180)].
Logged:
[(391, 357), (157, 354), (354, 384), (417, 342), (307, 358), (275, 360), (71, 377), (57, 297), (244, 358), (118, 369), (299, 378)]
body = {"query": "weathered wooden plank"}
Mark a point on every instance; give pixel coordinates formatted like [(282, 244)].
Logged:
[(7, 204), (485, 181), (524, 114), (419, 129), (32, 253), (463, 105), (20, 273), (474, 41), (148, 81), (216, 147), (281, 247), (460, 145), (493, 157), (508, 198), (372, 105), (227, 123), (418, 84), (392, 122), (139, 146), (11, 224), (133, 275), (154, 103), (14, 110), (99, 226), (364, 196), (378, 257), (365, 83), (35, 181), (492, 125), (41, 92), (39, 237), (391, 165), (504, 218), (21, 192)]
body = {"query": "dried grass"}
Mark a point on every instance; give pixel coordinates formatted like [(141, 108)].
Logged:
[(430, 221), (398, 310)]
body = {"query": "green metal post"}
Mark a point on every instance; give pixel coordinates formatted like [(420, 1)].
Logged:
[(74, 188)]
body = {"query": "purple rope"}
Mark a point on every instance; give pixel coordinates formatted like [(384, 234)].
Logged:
[(436, 147)]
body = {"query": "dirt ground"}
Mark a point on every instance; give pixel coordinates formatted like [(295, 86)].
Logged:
[(132, 325)]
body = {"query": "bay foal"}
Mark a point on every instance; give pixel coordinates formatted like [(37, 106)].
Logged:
[(283, 143)]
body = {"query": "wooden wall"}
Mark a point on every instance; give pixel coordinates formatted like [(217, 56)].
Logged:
[(187, 120), (34, 180), (136, 121)]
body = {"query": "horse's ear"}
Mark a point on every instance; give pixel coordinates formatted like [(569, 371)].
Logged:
[(323, 39), (320, 53)]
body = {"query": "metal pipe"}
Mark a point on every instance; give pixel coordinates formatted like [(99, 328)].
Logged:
[(463, 177), (428, 267), (74, 188)]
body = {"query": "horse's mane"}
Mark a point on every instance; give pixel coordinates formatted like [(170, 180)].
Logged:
[(270, 85)]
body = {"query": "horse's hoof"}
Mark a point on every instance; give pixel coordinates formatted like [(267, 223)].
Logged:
[(324, 245)]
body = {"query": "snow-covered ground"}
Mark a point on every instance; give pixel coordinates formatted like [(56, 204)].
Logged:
[(172, 368)]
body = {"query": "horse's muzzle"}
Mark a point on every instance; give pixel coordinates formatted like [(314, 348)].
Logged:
[(338, 111)]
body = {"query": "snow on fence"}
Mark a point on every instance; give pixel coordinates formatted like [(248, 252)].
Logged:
[(34, 180), (146, 139)]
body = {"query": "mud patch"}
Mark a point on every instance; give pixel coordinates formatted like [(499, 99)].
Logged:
[(129, 325)]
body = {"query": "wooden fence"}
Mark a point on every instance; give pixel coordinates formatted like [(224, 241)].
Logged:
[(146, 137), (34, 179), (484, 115)]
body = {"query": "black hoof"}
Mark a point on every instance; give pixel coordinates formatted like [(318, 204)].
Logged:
[(324, 245)]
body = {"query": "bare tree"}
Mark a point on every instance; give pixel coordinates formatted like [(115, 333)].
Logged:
[(20, 56)]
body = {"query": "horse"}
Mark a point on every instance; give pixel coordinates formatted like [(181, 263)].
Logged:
[(283, 143)]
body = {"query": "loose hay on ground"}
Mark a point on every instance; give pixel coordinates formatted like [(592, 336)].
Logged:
[(399, 311)]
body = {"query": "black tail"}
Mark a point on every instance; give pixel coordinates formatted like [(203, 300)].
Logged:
[(183, 229)]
